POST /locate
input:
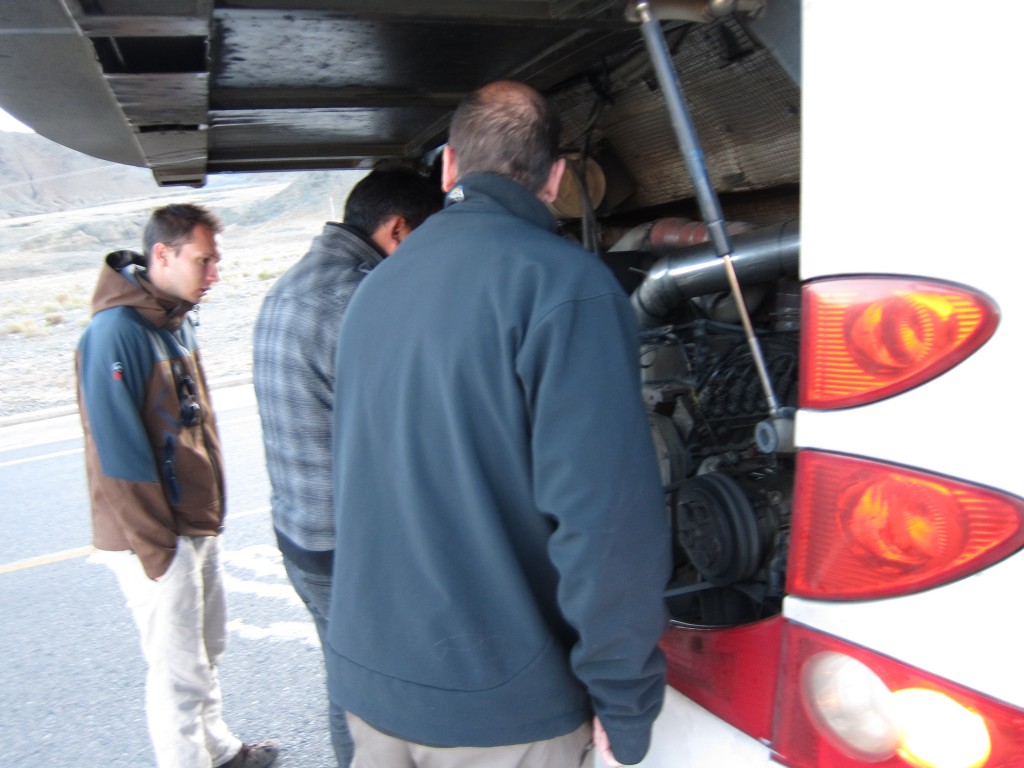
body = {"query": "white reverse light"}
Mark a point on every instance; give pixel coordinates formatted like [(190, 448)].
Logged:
[(851, 705), (865, 720)]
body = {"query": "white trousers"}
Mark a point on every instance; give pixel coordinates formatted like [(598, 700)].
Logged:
[(182, 624)]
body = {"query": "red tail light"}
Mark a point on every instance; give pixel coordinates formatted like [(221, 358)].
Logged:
[(865, 339), (847, 706), (728, 671), (864, 529)]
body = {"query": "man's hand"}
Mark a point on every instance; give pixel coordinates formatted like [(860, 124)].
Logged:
[(604, 747)]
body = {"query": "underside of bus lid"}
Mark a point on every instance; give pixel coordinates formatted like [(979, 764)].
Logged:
[(195, 87)]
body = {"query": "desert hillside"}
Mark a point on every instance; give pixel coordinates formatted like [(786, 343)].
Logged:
[(53, 238), (39, 176)]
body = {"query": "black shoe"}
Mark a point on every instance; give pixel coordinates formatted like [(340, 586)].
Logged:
[(261, 754)]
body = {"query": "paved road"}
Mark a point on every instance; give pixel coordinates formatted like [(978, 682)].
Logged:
[(71, 690)]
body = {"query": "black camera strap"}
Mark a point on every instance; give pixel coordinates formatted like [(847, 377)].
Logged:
[(184, 381)]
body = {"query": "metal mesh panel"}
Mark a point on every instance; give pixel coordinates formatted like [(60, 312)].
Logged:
[(745, 108)]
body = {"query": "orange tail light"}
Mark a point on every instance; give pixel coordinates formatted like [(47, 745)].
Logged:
[(867, 338), (863, 529)]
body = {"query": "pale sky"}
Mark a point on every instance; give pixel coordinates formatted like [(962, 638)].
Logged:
[(8, 123)]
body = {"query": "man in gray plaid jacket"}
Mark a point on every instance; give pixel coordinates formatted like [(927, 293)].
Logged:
[(293, 373)]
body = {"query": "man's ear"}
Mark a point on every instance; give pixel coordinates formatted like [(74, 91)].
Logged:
[(449, 169), (159, 254), (549, 191), (392, 231), (400, 229)]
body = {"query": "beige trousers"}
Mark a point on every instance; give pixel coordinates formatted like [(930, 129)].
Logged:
[(181, 621), (379, 750)]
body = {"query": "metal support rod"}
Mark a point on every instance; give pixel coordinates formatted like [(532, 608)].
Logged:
[(693, 157)]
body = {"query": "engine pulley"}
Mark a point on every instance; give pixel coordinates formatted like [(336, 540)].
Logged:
[(716, 526)]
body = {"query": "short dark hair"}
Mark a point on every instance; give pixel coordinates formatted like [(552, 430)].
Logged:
[(391, 192), (508, 128), (173, 225)]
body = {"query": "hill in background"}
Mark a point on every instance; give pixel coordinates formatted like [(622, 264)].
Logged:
[(61, 212), (38, 176)]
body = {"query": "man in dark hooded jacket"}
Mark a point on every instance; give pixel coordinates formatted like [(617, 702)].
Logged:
[(156, 480)]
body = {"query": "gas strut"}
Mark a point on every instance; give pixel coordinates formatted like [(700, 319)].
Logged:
[(776, 433)]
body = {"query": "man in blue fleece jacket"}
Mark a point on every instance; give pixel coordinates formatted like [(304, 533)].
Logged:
[(501, 539)]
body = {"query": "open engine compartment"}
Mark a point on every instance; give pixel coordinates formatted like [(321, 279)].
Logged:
[(728, 486), (728, 501), (728, 482)]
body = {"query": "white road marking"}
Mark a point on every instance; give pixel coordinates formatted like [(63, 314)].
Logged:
[(54, 557), (41, 457), (304, 631)]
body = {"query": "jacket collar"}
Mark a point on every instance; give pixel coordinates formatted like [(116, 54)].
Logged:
[(371, 255), (123, 283), (514, 197)]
